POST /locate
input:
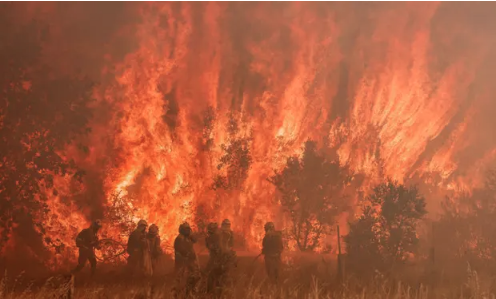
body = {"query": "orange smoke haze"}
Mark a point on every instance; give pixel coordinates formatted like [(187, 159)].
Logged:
[(400, 90)]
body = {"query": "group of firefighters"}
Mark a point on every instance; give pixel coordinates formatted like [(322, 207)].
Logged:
[(144, 251)]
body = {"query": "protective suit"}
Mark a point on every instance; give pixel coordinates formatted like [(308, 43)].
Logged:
[(272, 248), (153, 239), (87, 241), (139, 260), (186, 265), (214, 266)]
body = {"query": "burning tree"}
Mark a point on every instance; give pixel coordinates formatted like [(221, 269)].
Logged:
[(312, 194), (236, 159), (385, 235), (40, 114), (467, 227)]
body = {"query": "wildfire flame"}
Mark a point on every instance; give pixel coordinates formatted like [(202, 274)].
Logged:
[(230, 90)]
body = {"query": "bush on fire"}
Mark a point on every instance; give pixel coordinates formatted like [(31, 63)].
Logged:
[(385, 235), (466, 229), (313, 194), (40, 113)]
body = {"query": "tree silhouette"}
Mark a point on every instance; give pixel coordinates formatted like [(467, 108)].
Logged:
[(40, 113), (467, 227), (385, 235), (312, 194), (236, 160)]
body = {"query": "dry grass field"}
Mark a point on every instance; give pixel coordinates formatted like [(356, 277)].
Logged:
[(310, 276)]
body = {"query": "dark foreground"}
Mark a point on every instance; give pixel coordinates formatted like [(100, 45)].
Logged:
[(311, 276)]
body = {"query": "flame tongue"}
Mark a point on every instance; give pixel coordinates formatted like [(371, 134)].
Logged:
[(219, 95)]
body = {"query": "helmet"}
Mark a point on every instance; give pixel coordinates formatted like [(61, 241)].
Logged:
[(142, 223), (153, 229), (269, 226), (185, 229), (96, 224), (212, 227), (226, 222)]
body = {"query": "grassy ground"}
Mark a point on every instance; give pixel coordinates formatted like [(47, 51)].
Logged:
[(303, 277)]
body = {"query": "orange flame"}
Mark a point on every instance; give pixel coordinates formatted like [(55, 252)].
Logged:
[(375, 89)]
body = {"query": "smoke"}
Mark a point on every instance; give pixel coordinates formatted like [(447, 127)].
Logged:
[(401, 90)]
